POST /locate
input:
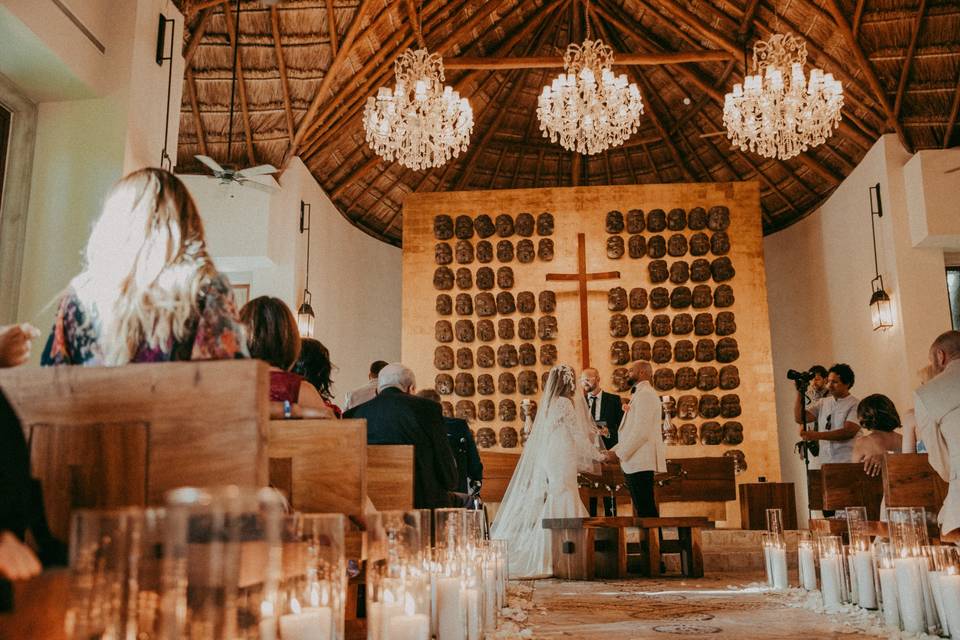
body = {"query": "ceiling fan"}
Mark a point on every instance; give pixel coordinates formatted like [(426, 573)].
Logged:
[(240, 176), (230, 174)]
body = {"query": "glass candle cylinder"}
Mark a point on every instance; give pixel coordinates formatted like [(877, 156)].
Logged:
[(313, 587), (115, 573), (766, 541), (450, 527), (947, 562), (398, 587), (851, 575), (778, 563), (775, 521), (805, 561), (831, 571), (499, 548), (476, 527), (887, 577), (490, 585), (222, 564), (931, 617)]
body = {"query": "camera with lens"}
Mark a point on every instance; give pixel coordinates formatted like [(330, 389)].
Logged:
[(800, 378)]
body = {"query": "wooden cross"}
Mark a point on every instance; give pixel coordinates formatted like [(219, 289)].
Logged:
[(582, 277)]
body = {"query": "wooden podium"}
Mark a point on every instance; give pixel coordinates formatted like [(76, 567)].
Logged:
[(757, 497)]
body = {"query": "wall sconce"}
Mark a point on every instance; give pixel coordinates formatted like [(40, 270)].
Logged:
[(880, 311), (305, 316)]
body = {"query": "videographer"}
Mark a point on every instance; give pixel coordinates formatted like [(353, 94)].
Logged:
[(818, 383), (835, 417)]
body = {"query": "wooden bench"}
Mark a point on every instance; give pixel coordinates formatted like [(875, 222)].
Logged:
[(848, 485), (910, 481), (105, 437), (588, 548), (390, 474), (498, 468)]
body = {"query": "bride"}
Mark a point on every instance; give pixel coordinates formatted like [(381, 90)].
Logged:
[(562, 441)]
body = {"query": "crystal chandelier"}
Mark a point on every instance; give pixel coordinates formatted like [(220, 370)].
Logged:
[(778, 112), (589, 109), (420, 123)]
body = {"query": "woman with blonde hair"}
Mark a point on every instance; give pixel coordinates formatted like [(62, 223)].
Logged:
[(149, 291)]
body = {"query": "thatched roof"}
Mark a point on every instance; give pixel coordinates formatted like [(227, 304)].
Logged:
[(899, 61)]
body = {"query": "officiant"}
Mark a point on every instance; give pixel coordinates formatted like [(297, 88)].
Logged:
[(607, 411)]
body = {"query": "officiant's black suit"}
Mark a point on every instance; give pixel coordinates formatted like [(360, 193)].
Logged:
[(395, 417), (611, 412)]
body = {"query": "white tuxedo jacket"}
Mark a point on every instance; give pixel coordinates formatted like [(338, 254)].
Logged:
[(937, 406), (641, 446)]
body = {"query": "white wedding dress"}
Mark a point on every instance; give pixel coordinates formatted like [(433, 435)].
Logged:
[(562, 442)]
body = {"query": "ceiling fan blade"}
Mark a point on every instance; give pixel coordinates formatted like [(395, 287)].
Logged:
[(259, 170), (256, 185), (210, 162)]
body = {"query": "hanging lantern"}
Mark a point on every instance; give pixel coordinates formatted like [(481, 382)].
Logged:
[(306, 319), (881, 312)]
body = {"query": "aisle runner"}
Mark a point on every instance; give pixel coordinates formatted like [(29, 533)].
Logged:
[(723, 607)]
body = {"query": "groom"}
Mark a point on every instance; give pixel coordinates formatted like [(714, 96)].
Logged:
[(640, 448), (606, 409)]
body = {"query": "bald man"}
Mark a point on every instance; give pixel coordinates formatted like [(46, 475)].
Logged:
[(937, 405), (607, 411), (641, 450)]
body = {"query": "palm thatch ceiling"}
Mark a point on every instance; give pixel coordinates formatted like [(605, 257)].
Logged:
[(306, 68)]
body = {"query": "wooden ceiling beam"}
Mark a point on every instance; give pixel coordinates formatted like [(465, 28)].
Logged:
[(516, 170), (556, 62), (191, 47), (201, 6), (282, 67), (241, 83), (356, 175), (954, 110), (414, 19), (630, 167), (332, 28), (905, 73), (496, 169), (332, 72), (653, 165), (683, 15), (867, 68), (536, 176), (746, 23), (857, 17), (195, 108)]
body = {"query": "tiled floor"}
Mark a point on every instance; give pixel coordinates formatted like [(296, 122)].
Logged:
[(723, 606)]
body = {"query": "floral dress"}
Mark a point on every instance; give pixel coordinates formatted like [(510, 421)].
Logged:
[(214, 334)]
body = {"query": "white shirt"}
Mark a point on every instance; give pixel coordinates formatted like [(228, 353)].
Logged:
[(937, 405), (360, 395), (598, 395), (831, 414), (640, 446)]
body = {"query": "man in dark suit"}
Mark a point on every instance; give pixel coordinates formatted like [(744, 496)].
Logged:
[(395, 416), (607, 411), (464, 447)]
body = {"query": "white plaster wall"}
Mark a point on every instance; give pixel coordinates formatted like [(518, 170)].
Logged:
[(818, 280), (932, 181)]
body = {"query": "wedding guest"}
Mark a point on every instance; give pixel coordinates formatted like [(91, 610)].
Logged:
[(937, 404), (315, 367), (606, 409), (640, 448), (149, 291), (273, 336), (463, 445), (368, 391), (879, 416), (818, 383), (912, 444), (396, 416)]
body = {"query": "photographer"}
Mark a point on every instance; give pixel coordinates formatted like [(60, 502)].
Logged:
[(818, 383), (835, 417)]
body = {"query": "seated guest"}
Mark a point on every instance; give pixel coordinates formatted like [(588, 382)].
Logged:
[(396, 416), (937, 404), (879, 416), (315, 367), (912, 444), (368, 391), (148, 291), (273, 336), (464, 447)]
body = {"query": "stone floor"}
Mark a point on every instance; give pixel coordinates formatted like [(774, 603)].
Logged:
[(729, 605)]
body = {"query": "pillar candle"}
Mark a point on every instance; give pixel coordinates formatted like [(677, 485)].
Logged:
[(808, 569), (490, 598), (938, 600), (268, 628), (413, 627), (830, 581), (313, 623), (433, 603), (950, 592), (910, 594), (888, 591), (451, 622), (766, 564), (778, 567), (474, 598), (854, 594), (866, 589)]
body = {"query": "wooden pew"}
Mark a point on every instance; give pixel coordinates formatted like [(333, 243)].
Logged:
[(814, 490), (910, 481), (848, 485), (103, 437), (390, 476), (498, 468)]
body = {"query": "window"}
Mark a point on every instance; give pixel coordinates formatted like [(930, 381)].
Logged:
[(953, 292)]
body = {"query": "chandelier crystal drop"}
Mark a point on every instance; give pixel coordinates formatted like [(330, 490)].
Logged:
[(588, 108), (778, 112), (420, 123)]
